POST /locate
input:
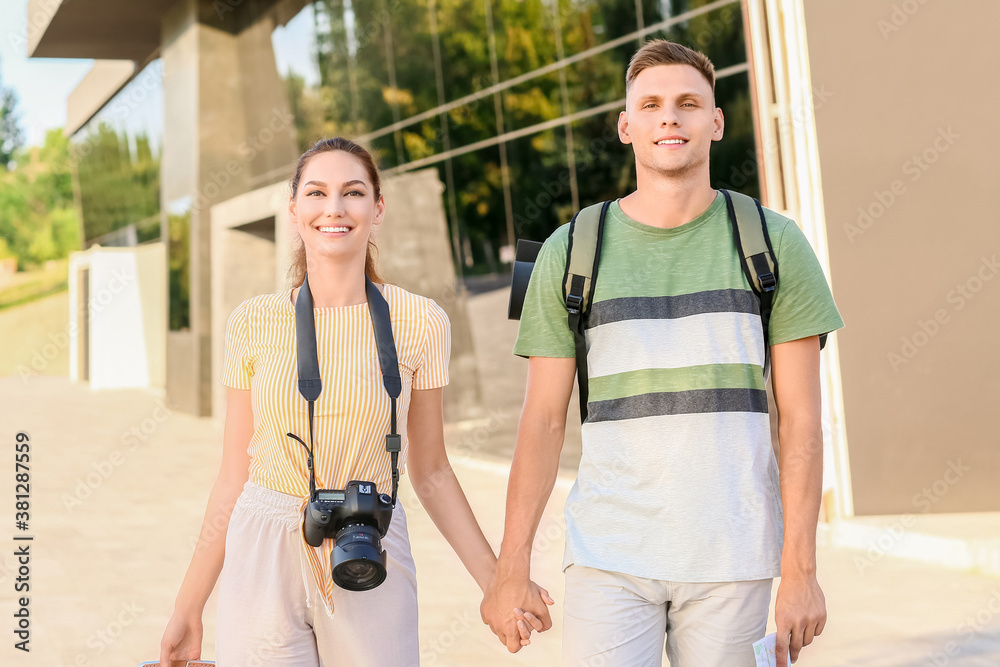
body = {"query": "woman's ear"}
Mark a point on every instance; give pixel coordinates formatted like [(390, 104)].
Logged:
[(379, 211)]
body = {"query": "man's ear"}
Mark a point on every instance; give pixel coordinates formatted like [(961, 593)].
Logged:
[(720, 125), (623, 133)]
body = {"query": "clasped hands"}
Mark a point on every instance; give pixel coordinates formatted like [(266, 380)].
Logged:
[(514, 606)]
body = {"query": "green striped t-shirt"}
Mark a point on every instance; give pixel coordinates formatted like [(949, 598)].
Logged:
[(677, 478)]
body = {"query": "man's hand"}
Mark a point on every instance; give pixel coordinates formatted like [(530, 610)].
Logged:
[(800, 613), (513, 606)]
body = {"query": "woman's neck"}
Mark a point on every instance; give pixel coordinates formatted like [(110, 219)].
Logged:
[(334, 286)]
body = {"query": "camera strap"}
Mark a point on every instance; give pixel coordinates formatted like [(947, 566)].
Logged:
[(310, 384)]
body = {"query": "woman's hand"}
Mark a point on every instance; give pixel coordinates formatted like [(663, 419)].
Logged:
[(526, 621), (181, 639)]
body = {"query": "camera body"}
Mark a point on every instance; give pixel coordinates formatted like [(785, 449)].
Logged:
[(358, 504), (357, 517)]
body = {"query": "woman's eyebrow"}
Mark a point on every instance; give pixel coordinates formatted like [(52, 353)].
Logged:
[(354, 182)]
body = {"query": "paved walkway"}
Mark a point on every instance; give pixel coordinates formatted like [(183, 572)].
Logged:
[(119, 487)]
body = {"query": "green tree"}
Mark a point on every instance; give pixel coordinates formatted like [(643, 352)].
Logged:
[(11, 136), (38, 218)]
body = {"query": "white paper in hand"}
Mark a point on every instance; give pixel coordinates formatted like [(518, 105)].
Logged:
[(763, 651)]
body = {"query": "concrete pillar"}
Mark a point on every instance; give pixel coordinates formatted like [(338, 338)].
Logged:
[(227, 126)]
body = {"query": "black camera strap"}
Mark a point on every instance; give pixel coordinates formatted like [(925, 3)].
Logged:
[(310, 384)]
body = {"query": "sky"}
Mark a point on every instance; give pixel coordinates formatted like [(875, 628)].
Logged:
[(42, 84)]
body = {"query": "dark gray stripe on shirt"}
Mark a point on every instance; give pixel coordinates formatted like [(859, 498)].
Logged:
[(672, 307), (678, 403)]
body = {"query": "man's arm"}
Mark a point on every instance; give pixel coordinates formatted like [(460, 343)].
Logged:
[(800, 610), (532, 475)]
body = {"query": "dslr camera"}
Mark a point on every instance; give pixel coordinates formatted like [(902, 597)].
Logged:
[(358, 518)]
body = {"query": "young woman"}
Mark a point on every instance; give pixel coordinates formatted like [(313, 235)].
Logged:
[(277, 602)]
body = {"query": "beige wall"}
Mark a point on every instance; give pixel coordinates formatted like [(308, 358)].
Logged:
[(907, 135)]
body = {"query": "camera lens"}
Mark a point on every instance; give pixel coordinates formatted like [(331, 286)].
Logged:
[(357, 561)]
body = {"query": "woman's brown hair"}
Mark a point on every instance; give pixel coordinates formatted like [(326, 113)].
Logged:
[(297, 270)]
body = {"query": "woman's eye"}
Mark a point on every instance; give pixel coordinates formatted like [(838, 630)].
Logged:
[(356, 192), (313, 192)]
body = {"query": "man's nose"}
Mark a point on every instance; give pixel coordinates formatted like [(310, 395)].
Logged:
[(669, 117)]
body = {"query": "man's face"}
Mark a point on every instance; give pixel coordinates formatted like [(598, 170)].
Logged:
[(670, 119)]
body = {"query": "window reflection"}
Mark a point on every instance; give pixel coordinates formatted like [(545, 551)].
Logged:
[(504, 97)]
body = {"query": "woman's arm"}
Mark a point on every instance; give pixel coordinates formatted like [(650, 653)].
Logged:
[(438, 489), (182, 637)]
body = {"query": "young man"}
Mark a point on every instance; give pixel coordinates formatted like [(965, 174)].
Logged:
[(675, 523)]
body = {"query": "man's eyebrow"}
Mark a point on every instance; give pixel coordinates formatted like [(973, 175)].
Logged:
[(657, 97)]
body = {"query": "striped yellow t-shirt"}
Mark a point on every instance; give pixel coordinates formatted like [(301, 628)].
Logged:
[(353, 410)]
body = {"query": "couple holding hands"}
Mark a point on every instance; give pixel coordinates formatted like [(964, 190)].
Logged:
[(679, 519)]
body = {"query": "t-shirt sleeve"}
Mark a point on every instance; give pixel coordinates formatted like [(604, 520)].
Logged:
[(544, 329), (433, 369), (803, 304), (237, 368)]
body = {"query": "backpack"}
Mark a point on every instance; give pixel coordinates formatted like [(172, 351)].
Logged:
[(583, 254)]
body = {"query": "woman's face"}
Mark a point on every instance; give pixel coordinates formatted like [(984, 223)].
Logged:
[(334, 208)]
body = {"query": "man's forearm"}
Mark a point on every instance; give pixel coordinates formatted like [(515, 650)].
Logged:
[(801, 463), (532, 476)]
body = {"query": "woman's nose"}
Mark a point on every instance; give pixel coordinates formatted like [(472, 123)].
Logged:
[(334, 207)]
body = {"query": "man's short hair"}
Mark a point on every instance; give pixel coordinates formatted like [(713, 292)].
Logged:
[(661, 52)]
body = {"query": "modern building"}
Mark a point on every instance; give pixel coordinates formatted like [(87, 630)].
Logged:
[(495, 119)]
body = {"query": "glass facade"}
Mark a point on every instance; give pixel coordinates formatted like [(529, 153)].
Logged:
[(179, 263), (117, 157), (515, 102)]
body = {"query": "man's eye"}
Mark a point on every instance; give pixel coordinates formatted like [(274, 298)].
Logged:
[(648, 105)]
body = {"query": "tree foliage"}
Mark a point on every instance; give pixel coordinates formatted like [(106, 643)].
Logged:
[(377, 66), (38, 217), (11, 136)]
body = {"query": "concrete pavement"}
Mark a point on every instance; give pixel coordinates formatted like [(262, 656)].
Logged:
[(118, 490)]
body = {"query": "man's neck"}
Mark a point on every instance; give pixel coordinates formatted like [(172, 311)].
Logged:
[(668, 202)]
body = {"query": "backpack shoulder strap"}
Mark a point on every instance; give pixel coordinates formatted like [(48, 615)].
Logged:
[(753, 245), (583, 255)]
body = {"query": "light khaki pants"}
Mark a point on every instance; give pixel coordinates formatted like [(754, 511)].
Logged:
[(270, 611), (617, 620)]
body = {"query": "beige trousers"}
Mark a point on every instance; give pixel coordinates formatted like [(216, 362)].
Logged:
[(612, 619), (271, 612)]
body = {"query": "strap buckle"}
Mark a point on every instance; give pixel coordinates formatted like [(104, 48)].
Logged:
[(574, 304), (767, 281)]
